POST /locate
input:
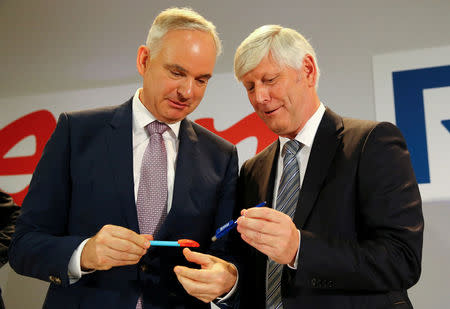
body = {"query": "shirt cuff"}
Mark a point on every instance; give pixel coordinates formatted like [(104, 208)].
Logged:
[(74, 270), (220, 300), (298, 250)]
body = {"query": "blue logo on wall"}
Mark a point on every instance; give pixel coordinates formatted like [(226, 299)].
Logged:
[(409, 111), (446, 124)]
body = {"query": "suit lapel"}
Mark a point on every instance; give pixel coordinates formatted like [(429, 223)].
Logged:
[(323, 150), (120, 154), (185, 166), (266, 176)]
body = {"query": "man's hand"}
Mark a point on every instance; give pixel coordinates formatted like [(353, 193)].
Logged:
[(271, 232), (114, 246), (215, 278)]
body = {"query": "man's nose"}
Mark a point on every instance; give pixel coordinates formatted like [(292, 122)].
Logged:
[(185, 90), (261, 94)]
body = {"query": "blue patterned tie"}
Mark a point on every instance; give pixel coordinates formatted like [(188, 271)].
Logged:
[(287, 199), (151, 203)]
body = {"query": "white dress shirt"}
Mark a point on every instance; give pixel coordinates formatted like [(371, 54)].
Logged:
[(141, 118), (306, 137)]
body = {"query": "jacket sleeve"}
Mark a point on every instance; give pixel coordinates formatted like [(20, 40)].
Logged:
[(41, 247), (226, 201), (227, 205), (386, 254)]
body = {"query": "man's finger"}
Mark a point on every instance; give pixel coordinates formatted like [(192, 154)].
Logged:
[(122, 245), (196, 289), (199, 275), (147, 236), (259, 225), (204, 260), (193, 286), (108, 260), (260, 237), (266, 213), (121, 256), (126, 234), (263, 248)]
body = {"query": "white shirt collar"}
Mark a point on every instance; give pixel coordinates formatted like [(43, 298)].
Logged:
[(142, 116), (308, 132)]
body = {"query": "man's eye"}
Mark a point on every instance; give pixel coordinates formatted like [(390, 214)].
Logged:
[(176, 73), (202, 81)]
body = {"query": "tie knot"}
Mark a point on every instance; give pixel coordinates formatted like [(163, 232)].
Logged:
[(156, 127), (293, 146)]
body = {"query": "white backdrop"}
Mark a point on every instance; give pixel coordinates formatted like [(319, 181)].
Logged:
[(435, 104)]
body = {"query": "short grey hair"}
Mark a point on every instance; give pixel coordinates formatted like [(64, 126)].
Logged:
[(287, 47), (179, 19)]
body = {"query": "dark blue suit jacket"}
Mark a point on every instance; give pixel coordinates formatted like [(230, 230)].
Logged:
[(84, 181)]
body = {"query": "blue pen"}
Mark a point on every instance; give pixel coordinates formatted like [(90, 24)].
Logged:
[(224, 229)]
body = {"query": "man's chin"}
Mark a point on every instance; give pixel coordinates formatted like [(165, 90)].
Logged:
[(175, 116), (274, 126)]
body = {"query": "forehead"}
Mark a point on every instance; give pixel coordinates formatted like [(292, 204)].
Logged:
[(267, 66), (193, 50)]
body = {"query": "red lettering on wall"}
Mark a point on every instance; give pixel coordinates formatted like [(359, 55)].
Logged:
[(40, 124), (251, 125)]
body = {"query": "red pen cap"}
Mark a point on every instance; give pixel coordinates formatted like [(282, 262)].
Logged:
[(188, 243)]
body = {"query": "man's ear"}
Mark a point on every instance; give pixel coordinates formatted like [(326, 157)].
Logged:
[(309, 69), (142, 59)]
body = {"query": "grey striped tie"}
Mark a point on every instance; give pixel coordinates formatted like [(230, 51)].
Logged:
[(151, 200), (287, 199)]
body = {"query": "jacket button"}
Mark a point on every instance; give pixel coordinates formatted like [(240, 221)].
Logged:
[(54, 280), (144, 268)]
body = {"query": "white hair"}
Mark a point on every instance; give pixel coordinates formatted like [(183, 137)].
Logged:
[(287, 47), (179, 19)]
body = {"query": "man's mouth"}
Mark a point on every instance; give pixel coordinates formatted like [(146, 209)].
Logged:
[(178, 104), (270, 112)]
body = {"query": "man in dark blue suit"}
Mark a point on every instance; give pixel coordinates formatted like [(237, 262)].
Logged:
[(80, 229)]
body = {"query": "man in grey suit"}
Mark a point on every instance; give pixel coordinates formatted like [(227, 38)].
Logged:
[(85, 218), (344, 226)]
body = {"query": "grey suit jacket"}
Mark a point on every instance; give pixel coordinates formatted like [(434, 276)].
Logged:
[(360, 217)]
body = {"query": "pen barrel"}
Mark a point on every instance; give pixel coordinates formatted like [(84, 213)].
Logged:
[(164, 243), (224, 229)]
